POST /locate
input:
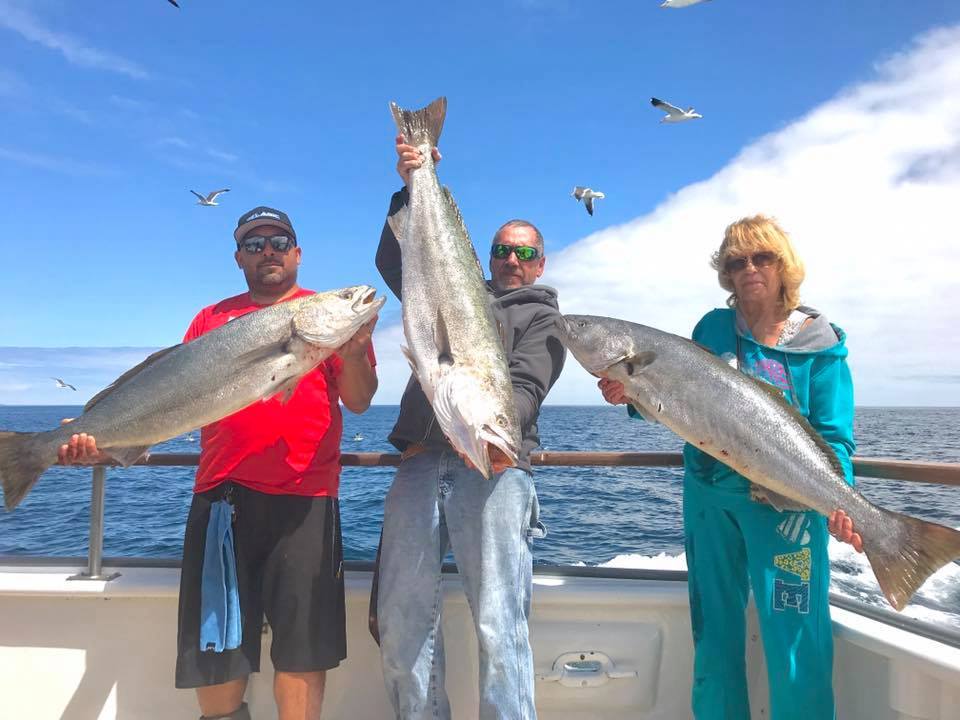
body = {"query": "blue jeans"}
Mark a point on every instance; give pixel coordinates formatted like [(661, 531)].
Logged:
[(435, 502)]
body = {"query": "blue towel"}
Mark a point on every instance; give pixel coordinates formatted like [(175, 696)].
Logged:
[(220, 627)]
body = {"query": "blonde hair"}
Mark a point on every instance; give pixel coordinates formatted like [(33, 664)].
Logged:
[(758, 234)]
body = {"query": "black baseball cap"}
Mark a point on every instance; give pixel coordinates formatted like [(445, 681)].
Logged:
[(262, 215)]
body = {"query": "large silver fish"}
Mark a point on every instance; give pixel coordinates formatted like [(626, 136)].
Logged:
[(747, 424), (454, 348), (192, 384)]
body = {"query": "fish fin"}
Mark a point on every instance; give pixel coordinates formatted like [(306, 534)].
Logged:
[(442, 339), (410, 359), (259, 354), (777, 396), (780, 503), (129, 455), (21, 465), (398, 223), (454, 208), (646, 412), (422, 126), (443, 400), (635, 363), (287, 389), (128, 375), (920, 549), (303, 326)]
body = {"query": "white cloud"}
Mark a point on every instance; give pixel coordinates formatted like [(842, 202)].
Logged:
[(867, 184), (25, 373), (128, 103), (177, 142), (220, 155), (52, 162), (13, 387), (392, 367), (72, 48)]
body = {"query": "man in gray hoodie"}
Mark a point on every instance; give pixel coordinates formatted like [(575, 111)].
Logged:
[(437, 502)]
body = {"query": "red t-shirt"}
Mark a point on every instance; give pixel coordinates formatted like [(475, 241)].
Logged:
[(290, 448)]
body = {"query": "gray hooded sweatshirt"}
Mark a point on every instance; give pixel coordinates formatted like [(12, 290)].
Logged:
[(527, 320)]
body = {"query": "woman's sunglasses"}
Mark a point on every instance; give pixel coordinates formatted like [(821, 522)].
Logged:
[(758, 260), (256, 243), (523, 252)]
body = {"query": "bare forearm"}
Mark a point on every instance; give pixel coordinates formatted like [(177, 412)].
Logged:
[(358, 383)]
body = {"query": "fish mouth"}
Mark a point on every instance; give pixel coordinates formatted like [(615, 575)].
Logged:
[(487, 444), (367, 297), (499, 443)]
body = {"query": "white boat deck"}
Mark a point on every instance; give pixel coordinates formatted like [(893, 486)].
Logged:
[(90, 649)]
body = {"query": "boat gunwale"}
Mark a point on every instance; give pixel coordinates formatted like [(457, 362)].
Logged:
[(884, 468)]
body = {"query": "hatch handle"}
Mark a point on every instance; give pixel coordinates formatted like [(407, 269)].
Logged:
[(584, 668)]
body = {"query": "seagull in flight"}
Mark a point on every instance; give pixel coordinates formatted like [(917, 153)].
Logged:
[(674, 114), (174, 3), (62, 384), (587, 196), (669, 3), (211, 199)]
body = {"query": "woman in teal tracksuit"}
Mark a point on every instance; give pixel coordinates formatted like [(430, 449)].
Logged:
[(735, 541)]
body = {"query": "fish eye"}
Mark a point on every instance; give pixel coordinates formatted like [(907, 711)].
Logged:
[(501, 421), (581, 323)]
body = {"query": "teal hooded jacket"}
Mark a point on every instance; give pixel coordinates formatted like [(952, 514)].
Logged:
[(811, 370)]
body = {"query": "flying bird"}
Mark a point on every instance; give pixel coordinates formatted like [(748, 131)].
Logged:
[(587, 196), (62, 384), (676, 3), (211, 199), (674, 114), (174, 3)]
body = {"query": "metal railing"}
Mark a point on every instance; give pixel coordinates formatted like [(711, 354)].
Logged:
[(907, 471), (924, 472)]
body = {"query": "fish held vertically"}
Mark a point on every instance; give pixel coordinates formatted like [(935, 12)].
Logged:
[(453, 345), (189, 385), (724, 413)]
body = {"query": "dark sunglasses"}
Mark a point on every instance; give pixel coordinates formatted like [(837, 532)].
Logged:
[(256, 243), (524, 253), (758, 260)]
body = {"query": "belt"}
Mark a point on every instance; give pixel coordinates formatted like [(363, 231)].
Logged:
[(411, 450)]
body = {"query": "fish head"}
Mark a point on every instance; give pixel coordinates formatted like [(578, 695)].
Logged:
[(329, 319), (480, 423), (598, 343)]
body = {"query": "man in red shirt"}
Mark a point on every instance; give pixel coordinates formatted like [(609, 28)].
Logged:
[(278, 464)]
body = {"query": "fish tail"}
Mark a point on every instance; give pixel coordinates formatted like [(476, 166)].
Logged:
[(918, 550), (423, 126), (21, 464)]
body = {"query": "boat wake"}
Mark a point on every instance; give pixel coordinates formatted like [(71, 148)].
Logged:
[(937, 602)]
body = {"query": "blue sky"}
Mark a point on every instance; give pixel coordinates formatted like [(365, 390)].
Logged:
[(835, 117)]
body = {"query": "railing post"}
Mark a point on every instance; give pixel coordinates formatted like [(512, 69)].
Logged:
[(94, 569)]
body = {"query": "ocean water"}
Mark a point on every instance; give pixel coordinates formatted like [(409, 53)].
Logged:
[(616, 517)]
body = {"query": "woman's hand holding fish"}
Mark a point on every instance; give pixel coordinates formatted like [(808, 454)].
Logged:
[(612, 391), (841, 527), (410, 158)]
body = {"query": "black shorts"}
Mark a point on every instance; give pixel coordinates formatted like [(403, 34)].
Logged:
[(289, 567)]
